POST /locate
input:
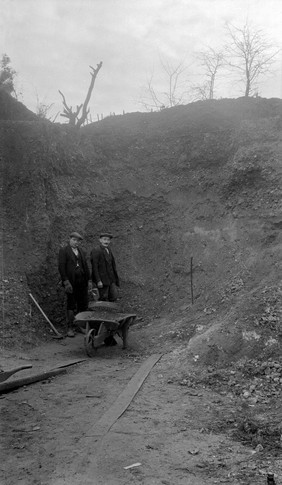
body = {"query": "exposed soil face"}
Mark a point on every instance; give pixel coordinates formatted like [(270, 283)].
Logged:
[(201, 181)]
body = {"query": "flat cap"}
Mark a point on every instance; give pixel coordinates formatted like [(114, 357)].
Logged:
[(76, 235), (106, 234)]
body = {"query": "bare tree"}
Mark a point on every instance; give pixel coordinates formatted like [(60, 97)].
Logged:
[(71, 115), (250, 53), (173, 95), (211, 60), (42, 109)]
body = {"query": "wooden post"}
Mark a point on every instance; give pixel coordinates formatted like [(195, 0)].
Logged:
[(191, 275)]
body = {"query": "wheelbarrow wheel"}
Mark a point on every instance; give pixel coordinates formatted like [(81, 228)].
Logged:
[(89, 343)]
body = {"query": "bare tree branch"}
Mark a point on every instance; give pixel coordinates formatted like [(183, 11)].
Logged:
[(68, 112), (71, 115), (85, 110), (211, 60), (201, 92), (173, 95)]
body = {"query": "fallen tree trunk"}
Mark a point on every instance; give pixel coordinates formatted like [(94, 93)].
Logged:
[(5, 374), (25, 381)]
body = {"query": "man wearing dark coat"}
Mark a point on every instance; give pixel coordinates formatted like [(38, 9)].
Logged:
[(104, 271), (75, 276)]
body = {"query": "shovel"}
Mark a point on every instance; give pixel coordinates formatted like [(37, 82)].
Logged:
[(57, 334), (5, 374)]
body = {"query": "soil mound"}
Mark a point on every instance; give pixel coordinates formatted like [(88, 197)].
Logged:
[(13, 110), (201, 181)]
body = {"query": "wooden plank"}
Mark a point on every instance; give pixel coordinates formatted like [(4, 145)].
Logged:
[(83, 469), (104, 424)]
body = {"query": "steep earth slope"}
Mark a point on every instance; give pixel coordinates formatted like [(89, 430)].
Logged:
[(201, 181)]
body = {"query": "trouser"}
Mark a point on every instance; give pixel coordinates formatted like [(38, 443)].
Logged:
[(70, 318), (108, 293), (78, 299)]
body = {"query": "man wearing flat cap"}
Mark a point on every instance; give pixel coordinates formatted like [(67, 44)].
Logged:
[(75, 275), (104, 271)]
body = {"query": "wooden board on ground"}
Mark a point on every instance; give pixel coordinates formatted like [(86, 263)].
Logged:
[(123, 401)]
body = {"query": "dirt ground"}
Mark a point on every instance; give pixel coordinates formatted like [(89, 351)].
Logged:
[(182, 427)]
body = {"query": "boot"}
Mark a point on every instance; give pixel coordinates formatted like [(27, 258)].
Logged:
[(70, 320)]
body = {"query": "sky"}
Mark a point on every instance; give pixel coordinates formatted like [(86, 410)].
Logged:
[(52, 43)]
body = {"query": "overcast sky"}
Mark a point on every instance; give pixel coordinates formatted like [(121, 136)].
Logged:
[(51, 44)]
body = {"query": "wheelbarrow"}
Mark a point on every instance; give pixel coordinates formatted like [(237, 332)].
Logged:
[(102, 322)]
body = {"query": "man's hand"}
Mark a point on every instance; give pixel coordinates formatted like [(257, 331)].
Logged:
[(68, 287), (90, 285), (100, 284)]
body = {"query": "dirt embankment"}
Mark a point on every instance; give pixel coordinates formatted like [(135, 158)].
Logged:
[(201, 181)]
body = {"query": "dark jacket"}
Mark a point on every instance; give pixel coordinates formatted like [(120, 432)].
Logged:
[(67, 264), (103, 266)]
